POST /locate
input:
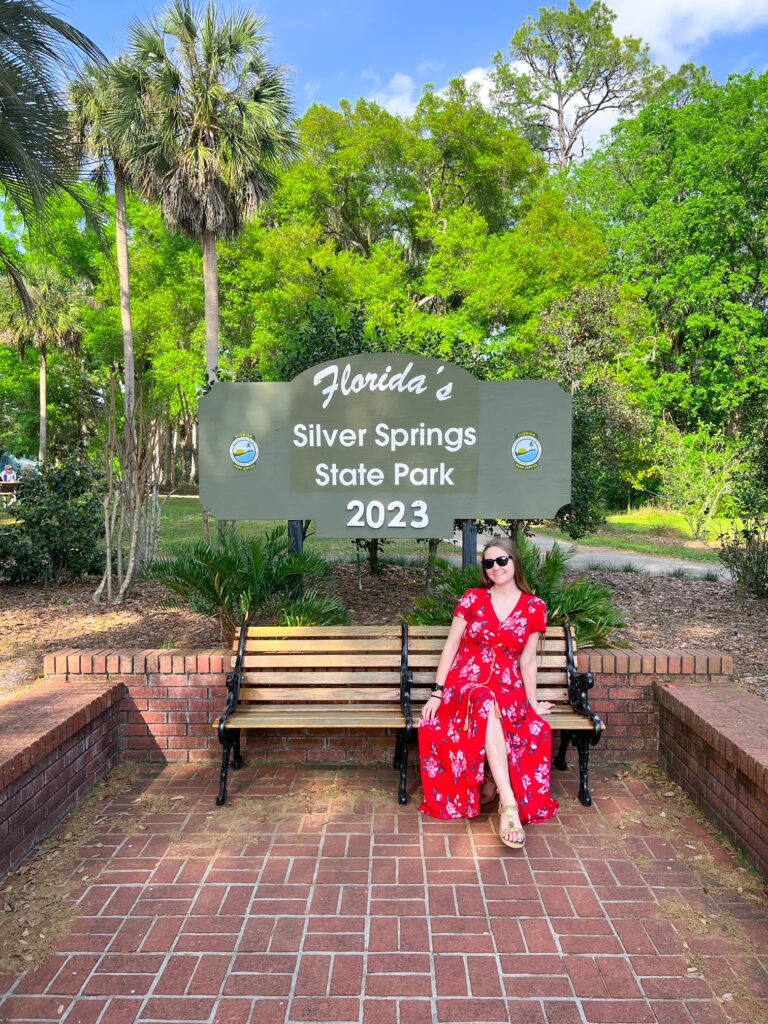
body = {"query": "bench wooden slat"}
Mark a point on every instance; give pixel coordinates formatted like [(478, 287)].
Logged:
[(347, 694), (422, 661), (333, 645), (557, 695), (317, 716), (308, 677), (552, 645), (351, 660), (323, 631), (548, 678)]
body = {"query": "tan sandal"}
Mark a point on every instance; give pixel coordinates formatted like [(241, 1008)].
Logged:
[(506, 825)]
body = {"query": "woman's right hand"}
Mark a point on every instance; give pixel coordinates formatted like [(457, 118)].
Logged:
[(430, 708)]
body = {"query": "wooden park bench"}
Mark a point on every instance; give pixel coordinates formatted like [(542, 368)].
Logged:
[(558, 681), (317, 677), (376, 677)]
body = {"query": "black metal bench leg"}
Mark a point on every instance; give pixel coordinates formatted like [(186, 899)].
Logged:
[(227, 744), (405, 737), (396, 758), (582, 745), (237, 760), (559, 762)]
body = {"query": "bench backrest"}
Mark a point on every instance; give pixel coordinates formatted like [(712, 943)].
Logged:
[(321, 664), (425, 644)]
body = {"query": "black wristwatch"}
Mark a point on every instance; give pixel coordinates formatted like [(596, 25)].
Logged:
[(435, 689)]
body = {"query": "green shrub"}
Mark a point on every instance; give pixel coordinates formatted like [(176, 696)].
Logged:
[(240, 578), (59, 526), (312, 608), (587, 606), (745, 553)]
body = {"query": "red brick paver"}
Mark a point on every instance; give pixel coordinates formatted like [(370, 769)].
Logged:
[(314, 897)]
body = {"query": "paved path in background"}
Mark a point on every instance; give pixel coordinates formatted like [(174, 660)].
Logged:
[(585, 557)]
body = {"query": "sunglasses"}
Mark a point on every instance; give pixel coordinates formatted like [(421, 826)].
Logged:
[(488, 563)]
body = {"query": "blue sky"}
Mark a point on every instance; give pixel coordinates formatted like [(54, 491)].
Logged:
[(388, 50)]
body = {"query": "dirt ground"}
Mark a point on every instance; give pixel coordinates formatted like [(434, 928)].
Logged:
[(660, 612)]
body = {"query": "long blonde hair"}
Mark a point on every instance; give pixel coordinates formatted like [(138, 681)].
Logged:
[(508, 545)]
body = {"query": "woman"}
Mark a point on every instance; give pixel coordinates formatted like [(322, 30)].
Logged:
[(484, 705)]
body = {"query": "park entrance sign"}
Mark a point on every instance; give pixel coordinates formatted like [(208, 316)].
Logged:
[(385, 445)]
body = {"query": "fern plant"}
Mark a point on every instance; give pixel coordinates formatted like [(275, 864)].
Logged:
[(241, 577), (588, 607)]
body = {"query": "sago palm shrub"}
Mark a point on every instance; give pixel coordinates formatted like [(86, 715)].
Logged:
[(240, 578), (588, 607)]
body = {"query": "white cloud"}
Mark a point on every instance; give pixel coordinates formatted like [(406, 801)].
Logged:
[(429, 65), (480, 78), (311, 89), (398, 96), (676, 29)]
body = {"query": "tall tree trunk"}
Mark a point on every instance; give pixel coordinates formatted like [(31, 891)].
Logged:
[(193, 456), (123, 270), (42, 451), (211, 288), (211, 284)]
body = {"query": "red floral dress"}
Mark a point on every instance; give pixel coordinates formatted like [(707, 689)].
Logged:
[(485, 679)]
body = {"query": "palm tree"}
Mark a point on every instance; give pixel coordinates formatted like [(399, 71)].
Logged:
[(50, 319), (36, 158), (107, 121), (218, 128)]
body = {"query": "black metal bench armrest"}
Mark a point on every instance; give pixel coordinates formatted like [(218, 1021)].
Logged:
[(234, 681), (406, 678), (579, 685)]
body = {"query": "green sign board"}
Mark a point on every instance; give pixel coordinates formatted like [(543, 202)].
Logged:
[(385, 445)]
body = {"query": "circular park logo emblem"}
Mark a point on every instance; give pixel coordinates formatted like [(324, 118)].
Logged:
[(526, 450), (244, 451)]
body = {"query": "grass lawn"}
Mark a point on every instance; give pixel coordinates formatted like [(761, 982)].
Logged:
[(647, 531), (182, 521), (650, 531)]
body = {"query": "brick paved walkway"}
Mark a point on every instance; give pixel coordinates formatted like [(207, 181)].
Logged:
[(328, 902)]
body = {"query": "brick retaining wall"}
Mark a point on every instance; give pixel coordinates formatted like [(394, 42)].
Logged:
[(55, 743), (173, 697), (60, 737), (713, 741)]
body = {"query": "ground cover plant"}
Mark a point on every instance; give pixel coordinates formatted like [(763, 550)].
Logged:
[(586, 605), (236, 579)]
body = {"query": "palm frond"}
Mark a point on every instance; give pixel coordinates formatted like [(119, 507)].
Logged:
[(587, 606), (242, 577), (36, 155), (216, 117)]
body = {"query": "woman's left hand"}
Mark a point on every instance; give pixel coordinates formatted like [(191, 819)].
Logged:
[(542, 707)]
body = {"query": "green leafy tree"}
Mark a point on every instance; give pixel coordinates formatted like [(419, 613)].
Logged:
[(612, 456), (568, 66), (698, 474), (51, 318), (37, 159), (58, 529), (19, 419), (441, 226), (216, 130), (680, 192)]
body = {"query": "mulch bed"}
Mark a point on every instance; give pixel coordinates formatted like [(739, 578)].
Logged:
[(660, 612)]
